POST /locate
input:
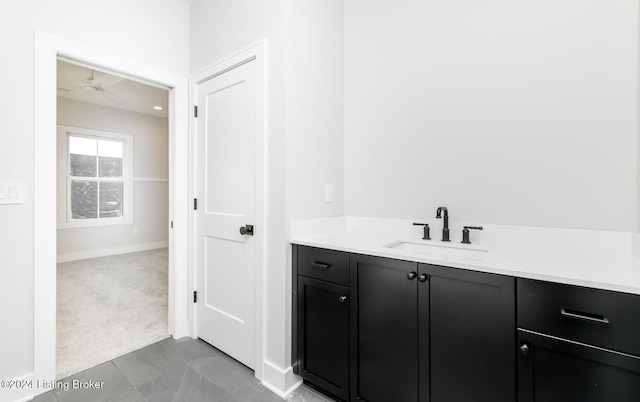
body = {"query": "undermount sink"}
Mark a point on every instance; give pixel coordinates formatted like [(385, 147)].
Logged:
[(442, 251)]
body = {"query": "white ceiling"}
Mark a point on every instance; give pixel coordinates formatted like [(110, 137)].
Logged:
[(110, 90)]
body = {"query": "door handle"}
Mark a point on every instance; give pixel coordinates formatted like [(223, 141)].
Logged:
[(246, 230)]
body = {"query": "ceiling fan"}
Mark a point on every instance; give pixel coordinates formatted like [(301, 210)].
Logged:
[(100, 84)]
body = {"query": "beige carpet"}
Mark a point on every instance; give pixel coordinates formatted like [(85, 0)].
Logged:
[(109, 306)]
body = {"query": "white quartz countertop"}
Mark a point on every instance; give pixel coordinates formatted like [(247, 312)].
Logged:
[(597, 259)]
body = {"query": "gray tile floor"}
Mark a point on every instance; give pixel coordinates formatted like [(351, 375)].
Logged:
[(183, 370)]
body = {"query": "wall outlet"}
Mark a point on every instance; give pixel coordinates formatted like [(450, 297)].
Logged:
[(328, 193)]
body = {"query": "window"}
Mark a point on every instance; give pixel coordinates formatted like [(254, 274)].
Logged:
[(98, 178)]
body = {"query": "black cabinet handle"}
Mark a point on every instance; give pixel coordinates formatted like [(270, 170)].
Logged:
[(422, 278), (412, 275), (342, 299), (318, 264), (525, 349), (578, 315)]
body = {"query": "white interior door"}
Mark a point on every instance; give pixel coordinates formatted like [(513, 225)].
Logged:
[(226, 191)]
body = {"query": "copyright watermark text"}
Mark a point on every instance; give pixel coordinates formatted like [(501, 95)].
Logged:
[(40, 384)]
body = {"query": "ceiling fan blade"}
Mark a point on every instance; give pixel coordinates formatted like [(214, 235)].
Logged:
[(106, 80), (113, 97)]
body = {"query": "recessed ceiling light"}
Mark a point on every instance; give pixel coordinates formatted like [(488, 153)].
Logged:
[(158, 107)]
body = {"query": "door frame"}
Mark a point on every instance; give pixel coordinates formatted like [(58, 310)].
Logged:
[(257, 52), (48, 49)]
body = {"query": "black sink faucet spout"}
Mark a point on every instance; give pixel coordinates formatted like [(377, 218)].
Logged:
[(443, 213)]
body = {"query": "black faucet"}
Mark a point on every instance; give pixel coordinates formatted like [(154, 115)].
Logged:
[(425, 235), (465, 233), (445, 217)]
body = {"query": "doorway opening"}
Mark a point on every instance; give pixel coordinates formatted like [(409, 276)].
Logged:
[(112, 216), (48, 49)]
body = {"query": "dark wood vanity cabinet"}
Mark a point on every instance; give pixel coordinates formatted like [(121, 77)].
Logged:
[(430, 333), (378, 329), (321, 323), (552, 370), (577, 344), (324, 335), (384, 362), (472, 346)]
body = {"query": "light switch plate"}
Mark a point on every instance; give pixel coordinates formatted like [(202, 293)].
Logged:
[(328, 192), (11, 192)]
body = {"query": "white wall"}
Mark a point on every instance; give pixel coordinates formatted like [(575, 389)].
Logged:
[(150, 32), (506, 112), (314, 119), (315, 107), (219, 29), (305, 126), (150, 198)]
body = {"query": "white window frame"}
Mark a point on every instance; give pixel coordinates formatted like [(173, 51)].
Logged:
[(65, 221)]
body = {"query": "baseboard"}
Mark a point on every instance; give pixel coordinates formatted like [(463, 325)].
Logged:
[(19, 389), (279, 381), (83, 255)]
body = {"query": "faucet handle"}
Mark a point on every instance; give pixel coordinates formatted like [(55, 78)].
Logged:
[(465, 233), (425, 235)]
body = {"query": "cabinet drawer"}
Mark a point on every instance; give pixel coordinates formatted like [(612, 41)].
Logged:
[(550, 369), (327, 265), (601, 318)]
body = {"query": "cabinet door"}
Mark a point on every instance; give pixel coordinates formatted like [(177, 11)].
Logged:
[(552, 369), (472, 336), (385, 348), (323, 335)]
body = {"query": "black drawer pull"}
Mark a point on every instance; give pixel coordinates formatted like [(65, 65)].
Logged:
[(318, 264), (583, 316)]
